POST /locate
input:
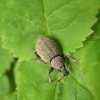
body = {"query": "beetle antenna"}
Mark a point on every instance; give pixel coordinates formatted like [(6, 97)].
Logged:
[(74, 67), (60, 79)]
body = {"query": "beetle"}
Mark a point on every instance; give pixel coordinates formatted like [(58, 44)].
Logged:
[(49, 52)]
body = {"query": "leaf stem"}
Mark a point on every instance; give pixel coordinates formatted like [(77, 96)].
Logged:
[(46, 22)]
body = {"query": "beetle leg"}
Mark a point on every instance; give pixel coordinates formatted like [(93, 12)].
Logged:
[(35, 53), (72, 59), (39, 60), (60, 79), (50, 70)]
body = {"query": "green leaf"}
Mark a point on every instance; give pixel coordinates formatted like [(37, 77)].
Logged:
[(32, 78), (68, 22), (5, 59), (5, 89), (90, 62), (90, 67), (84, 85), (93, 63), (96, 27), (13, 97), (4, 86), (22, 22)]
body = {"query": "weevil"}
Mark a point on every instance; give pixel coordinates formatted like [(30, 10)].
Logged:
[(49, 52)]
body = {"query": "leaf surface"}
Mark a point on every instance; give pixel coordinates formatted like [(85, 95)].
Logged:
[(32, 78), (23, 22), (5, 59)]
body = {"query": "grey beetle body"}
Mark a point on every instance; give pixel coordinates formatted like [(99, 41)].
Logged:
[(47, 49), (49, 52)]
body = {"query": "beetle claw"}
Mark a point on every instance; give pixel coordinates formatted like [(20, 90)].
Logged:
[(48, 82)]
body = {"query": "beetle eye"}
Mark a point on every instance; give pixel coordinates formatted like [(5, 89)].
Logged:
[(59, 70), (67, 72)]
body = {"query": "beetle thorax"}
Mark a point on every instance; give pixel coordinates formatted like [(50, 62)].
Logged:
[(57, 62)]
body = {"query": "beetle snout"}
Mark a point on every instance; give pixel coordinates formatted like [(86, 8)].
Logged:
[(66, 73)]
